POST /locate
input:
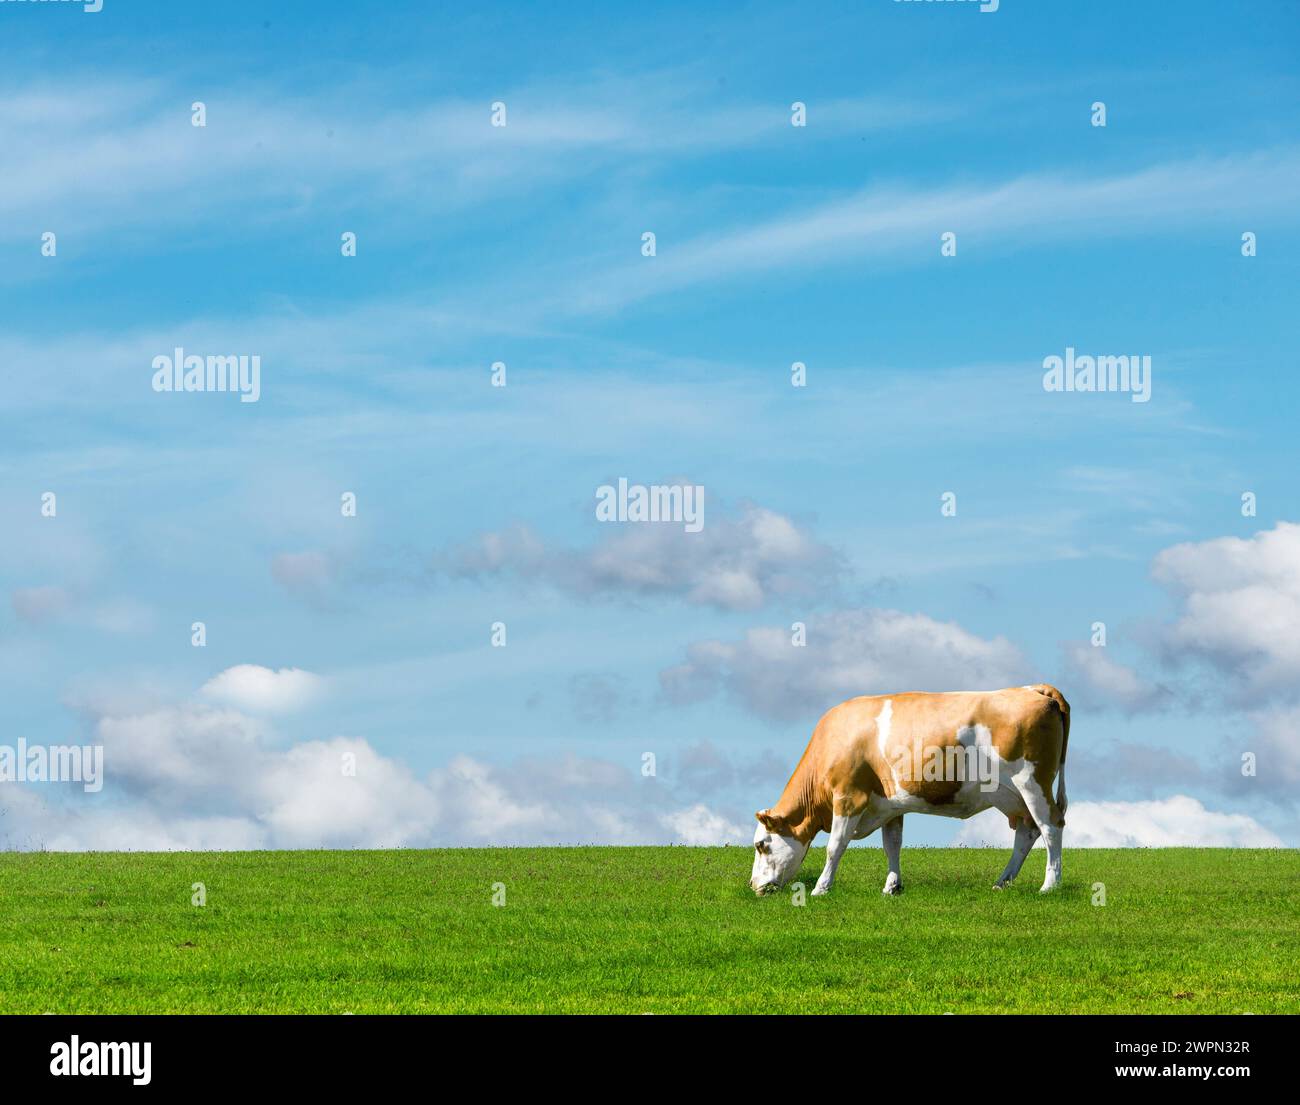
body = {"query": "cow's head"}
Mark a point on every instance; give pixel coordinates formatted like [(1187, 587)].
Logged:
[(777, 853)]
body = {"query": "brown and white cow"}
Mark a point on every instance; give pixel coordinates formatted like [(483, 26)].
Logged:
[(873, 759)]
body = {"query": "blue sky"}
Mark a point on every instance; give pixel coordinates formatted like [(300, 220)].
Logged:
[(522, 244)]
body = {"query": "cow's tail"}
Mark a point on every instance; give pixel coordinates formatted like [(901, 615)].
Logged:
[(1056, 696)]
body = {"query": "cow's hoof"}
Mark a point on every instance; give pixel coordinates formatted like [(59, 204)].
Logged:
[(893, 886), (1000, 885), (820, 891)]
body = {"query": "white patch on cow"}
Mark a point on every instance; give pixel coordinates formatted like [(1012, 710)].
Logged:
[(884, 722), (776, 860), (971, 797), (978, 793), (1032, 793), (979, 735)]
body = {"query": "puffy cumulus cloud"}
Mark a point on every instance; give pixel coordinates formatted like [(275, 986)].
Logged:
[(222, 774), (571, 800), (341, 793), (1178, 821), (1240, 608), (1174, 822), (847, 653), (1096, 680), (33, 823), (263, 690), (485, 804), (700, 826), (186, 757), (741, 562), (1275, 742), (193, 776)]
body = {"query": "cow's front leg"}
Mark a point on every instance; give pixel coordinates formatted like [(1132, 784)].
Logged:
[(891, 835), (841, 833)]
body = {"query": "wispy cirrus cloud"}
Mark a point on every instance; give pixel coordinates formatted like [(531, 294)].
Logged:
[(903, 222), (296, 152)]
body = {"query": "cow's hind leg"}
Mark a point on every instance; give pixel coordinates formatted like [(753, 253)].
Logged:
[(842, 826), (891, 836), (1050, 821), (1053, 835), (1026, 835)]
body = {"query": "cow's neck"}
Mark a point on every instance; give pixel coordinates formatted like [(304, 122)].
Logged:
[(802, 805)]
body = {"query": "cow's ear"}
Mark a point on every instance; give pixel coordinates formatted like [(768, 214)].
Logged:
[(770, 822)]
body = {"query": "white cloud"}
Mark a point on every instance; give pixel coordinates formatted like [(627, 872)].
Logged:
[(892, 219), (280, 155), (1240, 608), (184, 758), (1098, 680), (341, 793), (700, 826), (31, 823), (740, 562), (190, 776), (1276, 744), (263, 690), (486, 807), (1174, 822), (851, 652)]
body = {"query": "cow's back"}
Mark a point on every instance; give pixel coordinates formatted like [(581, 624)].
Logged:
[(859, 744)]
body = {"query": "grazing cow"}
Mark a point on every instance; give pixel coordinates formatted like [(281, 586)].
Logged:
[(872, 760)]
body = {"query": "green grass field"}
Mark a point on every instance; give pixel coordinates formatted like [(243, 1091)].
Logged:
[(644, 930)]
